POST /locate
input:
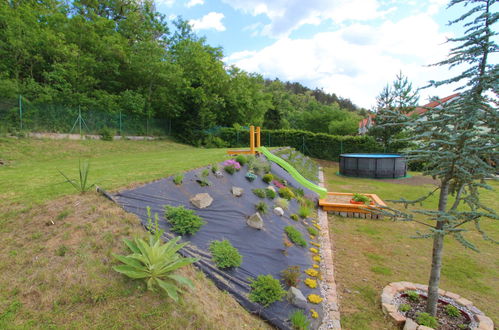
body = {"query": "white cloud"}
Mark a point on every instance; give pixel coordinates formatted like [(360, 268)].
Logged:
[(168, 3), (358, 60), (193, 3), (211, 20), (288, 15)]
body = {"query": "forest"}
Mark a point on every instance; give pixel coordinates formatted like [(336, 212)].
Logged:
[(124, 56)]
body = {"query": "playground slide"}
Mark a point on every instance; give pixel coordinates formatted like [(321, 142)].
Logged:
[(294, 173)]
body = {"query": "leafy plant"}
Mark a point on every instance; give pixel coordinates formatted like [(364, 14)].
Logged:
[(299, 320), (261, 207), (282, 203), (294, 217), (230, 169), (265, 290), (299, 192), (426, 320), (80, 185), (304, 212), (205, 173), (404, 307), (241, 159), (225, 255), (107, 134), (361, 198), (178, 179), (259, 192), (267, 178), (61, 251), (270, 194), (250, 176), (291, 275), (412, 295), (287, 193), (452, 310), (183, 221), (295, 236), (153, 262), (312, 231), (214, 168)]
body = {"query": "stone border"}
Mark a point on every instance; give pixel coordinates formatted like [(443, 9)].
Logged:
[(331, 318), (392, 289)]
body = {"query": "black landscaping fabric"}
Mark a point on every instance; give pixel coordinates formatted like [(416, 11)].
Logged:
[(262, 250)]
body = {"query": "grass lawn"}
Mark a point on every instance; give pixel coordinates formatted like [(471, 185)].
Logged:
[(371, 253), (59, 275)]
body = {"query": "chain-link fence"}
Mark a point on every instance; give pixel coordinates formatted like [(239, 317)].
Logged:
[(21, 115)]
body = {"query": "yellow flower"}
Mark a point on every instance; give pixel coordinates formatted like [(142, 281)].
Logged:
[(315, 244), (312, 237), (311, 283), (314, 299), (312, 272), (316, 258), (314, 313), (315, 266), (317, 226), (314, 250)]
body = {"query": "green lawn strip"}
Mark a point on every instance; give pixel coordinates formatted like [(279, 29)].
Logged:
[(385, 252)]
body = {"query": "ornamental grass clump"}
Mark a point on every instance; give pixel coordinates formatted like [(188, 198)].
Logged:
[(225, 255), (287, 193), (291, 275), (270, 194), (312, 231), (427, 320), (81, 184), (178, 179), (304, 212), (295, 236), (294, 217), (261, 207), (299, 320), (259, 192), (183, 221), (265, 290), (282, 203), (267, 178)]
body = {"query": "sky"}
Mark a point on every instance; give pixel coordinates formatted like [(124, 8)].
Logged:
[(352, 48)]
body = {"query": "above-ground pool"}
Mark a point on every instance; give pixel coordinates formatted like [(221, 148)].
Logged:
[(373, 165)]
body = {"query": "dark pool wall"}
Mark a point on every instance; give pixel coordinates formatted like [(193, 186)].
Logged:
[(373, 165)]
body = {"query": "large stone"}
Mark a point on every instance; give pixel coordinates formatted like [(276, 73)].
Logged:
[(237, 191), (255, 221), (201, 200), (296, 297), (218, 174), (269, 187), (279, 211), (410, 325)]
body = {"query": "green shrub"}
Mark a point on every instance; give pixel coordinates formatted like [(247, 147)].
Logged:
[(183, 221), (267, 178), (291, 275), (361, 198), (412, 295), (61, 251), (304, 212), (287, 193), (295, 236), (225, 255), (313, 231), (270, 194), (299, 320), (261, 207), (241, 159), (205, 173), (153, 262), (259, 192), (212, 141), (177, 179), (426, 320), (214, 168), (294, 217), (230, 169), (107, 134), (282, 203), (299, 192), (404, 308), (265, 290), (452, 310)]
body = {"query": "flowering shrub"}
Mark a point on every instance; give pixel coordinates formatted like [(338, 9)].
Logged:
[(230, 165), (314, 250), (315, 266), (316, 258), (314, 299), (314, 313), (278, 184), (311, 283)]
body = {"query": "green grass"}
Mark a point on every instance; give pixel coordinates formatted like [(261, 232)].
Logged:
[(385, 252)]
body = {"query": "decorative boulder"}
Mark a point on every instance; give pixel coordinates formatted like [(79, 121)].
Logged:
[(271, 188), (255, 221), (218, 174), (201, 200), (296, 297), (237, 191), (279, 211)]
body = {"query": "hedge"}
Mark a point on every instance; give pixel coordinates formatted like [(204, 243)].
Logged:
[(317, 145)]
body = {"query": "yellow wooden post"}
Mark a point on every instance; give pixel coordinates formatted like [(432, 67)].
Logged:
[(252, 140), (258, 137)]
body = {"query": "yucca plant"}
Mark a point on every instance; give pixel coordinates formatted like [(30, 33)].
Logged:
[(80, 185), (153, 262)]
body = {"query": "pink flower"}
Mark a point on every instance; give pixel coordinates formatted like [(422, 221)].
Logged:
[(278, 184), (232, 162)]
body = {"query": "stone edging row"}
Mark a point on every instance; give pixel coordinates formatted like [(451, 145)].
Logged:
[(392, 289), (331, 318)]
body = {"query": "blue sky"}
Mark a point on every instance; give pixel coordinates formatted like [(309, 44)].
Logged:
[(349, 47)]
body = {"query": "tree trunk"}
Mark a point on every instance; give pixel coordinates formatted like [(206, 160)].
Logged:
[(436, 261)]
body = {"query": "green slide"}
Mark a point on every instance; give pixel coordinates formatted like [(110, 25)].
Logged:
[(322, 192)]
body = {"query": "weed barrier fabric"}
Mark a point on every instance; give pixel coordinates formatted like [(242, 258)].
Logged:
[(263, 251)]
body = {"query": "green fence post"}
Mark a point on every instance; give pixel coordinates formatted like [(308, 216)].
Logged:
[(341, 146), (121, 128), (21, 110)]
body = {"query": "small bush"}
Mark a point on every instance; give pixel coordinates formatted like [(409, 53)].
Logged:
[(304, 212), (183, 221), (404, 308), (212, 141), (265, 290), (361, 198), (282, 203), (225, 255), (267, 178), (426, 320), (250, 176), (259, 192), (299, 320), (177, 179), (231, 166), (452, 310), (241, 159), (313, 231), (412, 295), (214, 168), (287, 193), (294, 217), (205, 173), (261, 207), (61, 251), (295, 236), (230, 169), (107, 134), (270, 194), (291, 275), (299, 192)]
